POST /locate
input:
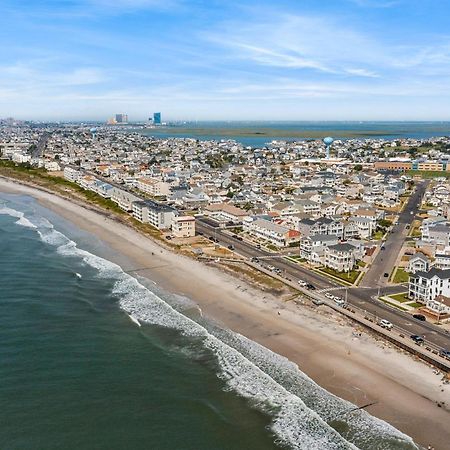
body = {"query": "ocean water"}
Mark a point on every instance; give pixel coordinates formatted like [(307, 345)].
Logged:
[(258, 134), (93, 358)]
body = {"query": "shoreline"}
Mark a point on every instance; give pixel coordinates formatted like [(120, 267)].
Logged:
[(358, 369)]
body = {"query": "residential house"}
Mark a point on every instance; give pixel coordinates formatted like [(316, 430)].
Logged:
[(340, 257), (312, 248), (366, 226), (418, 263), (426, 286), (224, 212), (440, 306), (277, 235)]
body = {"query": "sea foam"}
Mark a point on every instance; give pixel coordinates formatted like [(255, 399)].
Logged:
[(22, 220)]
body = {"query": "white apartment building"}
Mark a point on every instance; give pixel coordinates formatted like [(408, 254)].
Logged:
[(153, 187), (21, 158), (124, 199), (87, 182), (52, 166), (158, 215), (72, 174), (183, 226)]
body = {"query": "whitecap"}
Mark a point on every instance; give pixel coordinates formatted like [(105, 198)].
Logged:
[(22, 220)]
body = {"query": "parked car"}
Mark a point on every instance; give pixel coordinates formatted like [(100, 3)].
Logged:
[(445, 353), (339, 301), (328, 295), (311, 287), (231, 247), (302, 283), (417, 339), (385, 324), (420, 317)]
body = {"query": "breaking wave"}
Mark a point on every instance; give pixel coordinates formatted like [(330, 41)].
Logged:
[(22, 220)]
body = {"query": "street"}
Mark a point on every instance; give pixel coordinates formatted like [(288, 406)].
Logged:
[(362, 297), (385, 260)]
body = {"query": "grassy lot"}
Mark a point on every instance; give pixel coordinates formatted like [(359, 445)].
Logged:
[(401, 276), (402, 298), (428, 173), (350, 277), (361, 264), (378, 235), (415, 305)]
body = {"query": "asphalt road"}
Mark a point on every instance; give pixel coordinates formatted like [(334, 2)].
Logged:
[(364, 298), (385, 260), (37, 152)]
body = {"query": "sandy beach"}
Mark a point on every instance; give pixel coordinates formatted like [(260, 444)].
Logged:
[(361, 369)]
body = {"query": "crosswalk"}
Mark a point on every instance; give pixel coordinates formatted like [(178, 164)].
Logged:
[(322, 291)]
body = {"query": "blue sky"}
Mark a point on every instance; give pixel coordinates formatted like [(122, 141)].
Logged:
[(225, 60)]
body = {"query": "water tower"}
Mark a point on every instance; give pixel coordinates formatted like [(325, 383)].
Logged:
[(328, 141), (93, 132)]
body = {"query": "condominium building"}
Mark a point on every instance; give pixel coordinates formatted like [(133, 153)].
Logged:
[(124, 199), (158, 215), (72, 174), (183, 226), (153, 187)]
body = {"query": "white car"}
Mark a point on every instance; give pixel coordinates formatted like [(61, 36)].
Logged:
[(385, 324), (302, 283), (328, 295), (339, 301)]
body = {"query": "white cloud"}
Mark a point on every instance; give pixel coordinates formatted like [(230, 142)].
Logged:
[(301, 42)]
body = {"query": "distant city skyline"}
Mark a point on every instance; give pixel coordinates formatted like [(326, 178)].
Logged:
[(217, 60)]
